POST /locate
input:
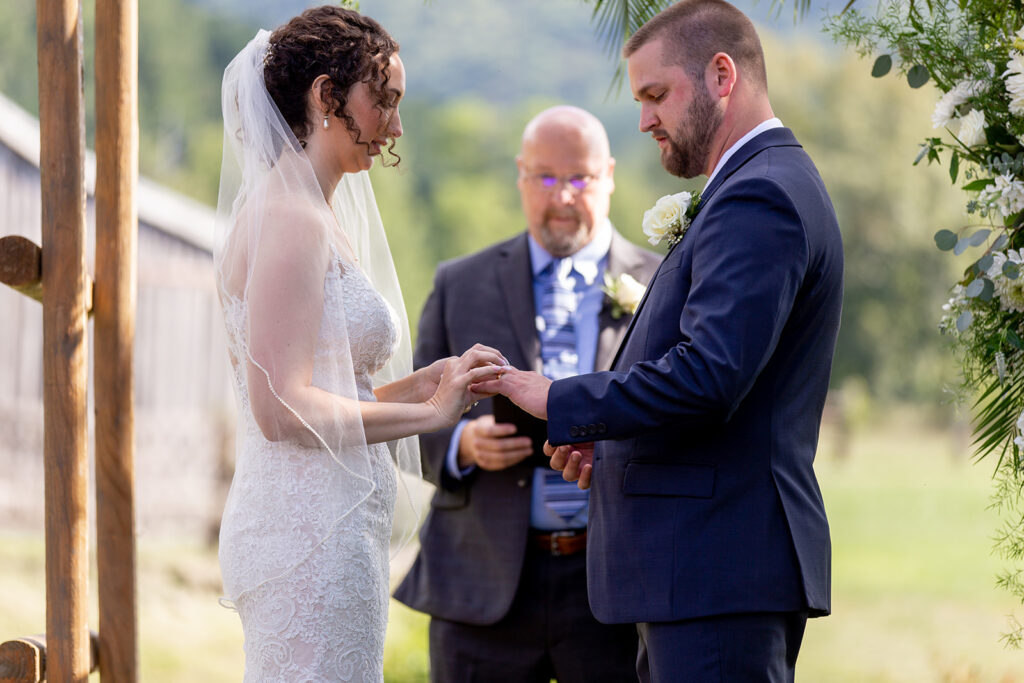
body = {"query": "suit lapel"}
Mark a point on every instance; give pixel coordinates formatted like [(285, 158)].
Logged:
[(774, 137), (515, 278)]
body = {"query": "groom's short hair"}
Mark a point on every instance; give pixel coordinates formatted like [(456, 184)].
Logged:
[(694, 31)]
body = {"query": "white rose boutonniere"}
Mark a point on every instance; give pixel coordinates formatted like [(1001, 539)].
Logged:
[(670, 217), (624, 293)]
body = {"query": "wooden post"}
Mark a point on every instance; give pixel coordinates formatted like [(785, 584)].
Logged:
[(114, 309), (21, 267), (23, 660), (62, 169)]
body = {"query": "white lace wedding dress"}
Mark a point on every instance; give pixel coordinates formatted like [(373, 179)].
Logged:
[(324, 618)]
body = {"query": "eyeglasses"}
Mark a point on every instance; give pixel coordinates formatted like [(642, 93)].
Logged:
[(577, 182)]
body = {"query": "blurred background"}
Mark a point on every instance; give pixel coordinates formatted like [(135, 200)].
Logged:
[(914, 578)]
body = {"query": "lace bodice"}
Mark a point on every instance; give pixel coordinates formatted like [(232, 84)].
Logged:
[(304, 538)]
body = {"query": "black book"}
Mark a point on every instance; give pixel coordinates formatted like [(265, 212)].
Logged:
[(526, 424)]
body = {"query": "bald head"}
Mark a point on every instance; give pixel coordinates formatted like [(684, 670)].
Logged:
[(566, 121), (565, 178)]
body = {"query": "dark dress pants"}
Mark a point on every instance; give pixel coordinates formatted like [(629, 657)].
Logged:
[(735, 648), (548, 633)]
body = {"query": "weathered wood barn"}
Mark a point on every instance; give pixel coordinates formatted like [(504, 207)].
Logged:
[(184, 408)]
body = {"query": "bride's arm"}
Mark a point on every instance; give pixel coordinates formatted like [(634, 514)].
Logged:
[(413, 388), (285, 306)]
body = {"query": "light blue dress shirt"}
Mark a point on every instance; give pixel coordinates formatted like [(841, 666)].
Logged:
[(588, 266)]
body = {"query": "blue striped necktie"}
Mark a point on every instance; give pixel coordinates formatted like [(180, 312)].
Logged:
[(556, 323), (557, 329)]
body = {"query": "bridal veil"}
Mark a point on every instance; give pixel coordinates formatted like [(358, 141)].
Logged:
[(266, 180)]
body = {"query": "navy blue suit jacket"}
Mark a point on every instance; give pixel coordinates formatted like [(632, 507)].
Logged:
[(704, 499)]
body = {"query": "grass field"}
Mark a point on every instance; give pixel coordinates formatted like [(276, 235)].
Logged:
[(913, 579)]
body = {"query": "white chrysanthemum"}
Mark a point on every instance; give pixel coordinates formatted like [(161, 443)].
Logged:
[(972, 128), (945, 108), (1006, 194), (1010, 291), (1014, 76)]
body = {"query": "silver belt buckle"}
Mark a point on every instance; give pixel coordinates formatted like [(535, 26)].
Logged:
[(555, 535)]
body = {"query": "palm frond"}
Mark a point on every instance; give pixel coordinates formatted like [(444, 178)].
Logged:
[(616, 20)]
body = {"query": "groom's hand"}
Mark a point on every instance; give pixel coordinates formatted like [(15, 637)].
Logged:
[(575, 461), (528, 390)]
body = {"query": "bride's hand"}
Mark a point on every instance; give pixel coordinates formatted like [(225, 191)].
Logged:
[(453, 396), (429, 378)]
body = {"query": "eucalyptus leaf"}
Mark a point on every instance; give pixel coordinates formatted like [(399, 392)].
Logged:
[(1000, 242), (984, 263), (945, 239), (975, 289), (979, 237), (961, 245), (1011, 270), (987, 290), (917, 76), (964, 321), (882, 66)]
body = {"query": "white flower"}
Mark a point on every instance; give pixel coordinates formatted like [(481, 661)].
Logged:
[(1006, 194), (945, 108), (624, 292), (1009, 290), (668, 217), (1020, 431), (1014, 76), (956, 301), (972, 128)]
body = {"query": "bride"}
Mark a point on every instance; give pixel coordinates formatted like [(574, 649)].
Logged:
[(320, 348)]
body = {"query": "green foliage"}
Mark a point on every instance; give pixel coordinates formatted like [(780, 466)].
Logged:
[(974, 51)]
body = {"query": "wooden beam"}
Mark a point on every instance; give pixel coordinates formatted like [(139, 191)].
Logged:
[(23, 660), (21, 268), (21, 265), (65, 464), (116, 278)]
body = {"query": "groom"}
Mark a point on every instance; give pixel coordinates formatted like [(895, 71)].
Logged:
[(707, 526)]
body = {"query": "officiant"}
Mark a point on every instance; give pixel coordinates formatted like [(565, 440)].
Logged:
[(502, 567)]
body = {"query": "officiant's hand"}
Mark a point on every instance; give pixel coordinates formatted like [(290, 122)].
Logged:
[(575, 461), (528, 390), (492, 445)]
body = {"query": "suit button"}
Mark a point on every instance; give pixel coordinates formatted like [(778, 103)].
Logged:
[(521, 483), (574, 431), (591, 429), (601, 429)]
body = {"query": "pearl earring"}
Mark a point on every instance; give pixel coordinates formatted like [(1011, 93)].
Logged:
[(326, 125)]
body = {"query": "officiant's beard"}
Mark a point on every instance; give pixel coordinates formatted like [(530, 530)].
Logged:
[(686, 155), (560, 242)]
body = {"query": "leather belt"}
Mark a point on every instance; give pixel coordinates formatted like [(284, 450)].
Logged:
[(559, 543)]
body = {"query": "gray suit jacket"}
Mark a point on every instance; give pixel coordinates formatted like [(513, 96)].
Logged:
[(473, 541)]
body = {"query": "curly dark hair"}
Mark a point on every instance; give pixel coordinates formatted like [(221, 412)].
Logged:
[(346, 46)]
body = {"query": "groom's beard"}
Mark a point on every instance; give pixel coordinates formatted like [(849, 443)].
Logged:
[(686, 154), (562, 242)]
